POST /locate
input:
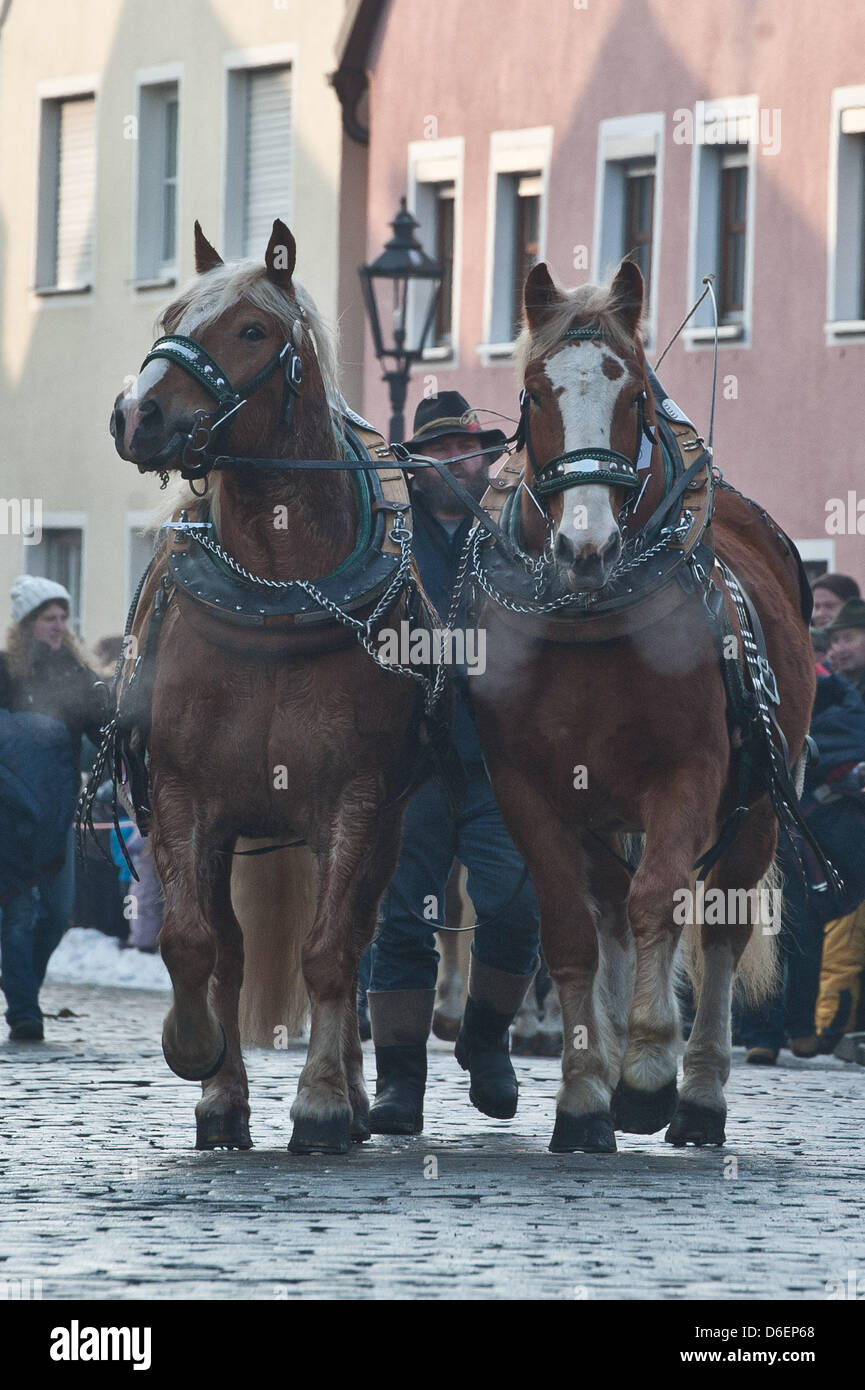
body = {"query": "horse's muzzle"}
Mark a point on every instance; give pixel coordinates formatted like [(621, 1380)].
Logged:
[(588, 570)]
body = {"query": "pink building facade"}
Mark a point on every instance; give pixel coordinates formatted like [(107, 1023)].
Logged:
[(725, 137)]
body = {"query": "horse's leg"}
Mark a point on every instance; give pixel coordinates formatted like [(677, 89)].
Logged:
[(193, 1039), (702, 1110), (222, 1114), (569, 939), (356, 866), (610, 883), (679, 821), (352, 1055)]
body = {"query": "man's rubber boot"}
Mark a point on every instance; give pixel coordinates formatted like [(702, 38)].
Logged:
[(401, 1021), (483, 1045)]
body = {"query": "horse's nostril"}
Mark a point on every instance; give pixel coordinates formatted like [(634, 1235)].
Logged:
[(146, 408), (565, 549)]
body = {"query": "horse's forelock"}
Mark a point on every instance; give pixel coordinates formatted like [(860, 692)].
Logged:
[(208, 296), (587, 304)]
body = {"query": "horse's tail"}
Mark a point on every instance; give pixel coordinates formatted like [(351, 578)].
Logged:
[(274, 897), (758, 967)]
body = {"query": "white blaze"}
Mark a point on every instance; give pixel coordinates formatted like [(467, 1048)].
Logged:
[(586, 399)]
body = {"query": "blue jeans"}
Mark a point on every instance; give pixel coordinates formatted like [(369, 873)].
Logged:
[(403, 953), (32, 923)]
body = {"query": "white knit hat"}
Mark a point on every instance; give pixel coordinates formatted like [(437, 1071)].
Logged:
[(30, 591)]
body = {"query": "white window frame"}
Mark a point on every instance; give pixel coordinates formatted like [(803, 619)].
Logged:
[(65, 521), (235, 62), (433, 162), (620, 140), (820, 549), (704, 216), (165, 276), (512, 152), (56, 90), (136, 521), (846, 206)]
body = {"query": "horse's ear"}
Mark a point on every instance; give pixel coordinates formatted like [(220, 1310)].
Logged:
[(280, 256), (626, 295), (206, 256), (541, 295)]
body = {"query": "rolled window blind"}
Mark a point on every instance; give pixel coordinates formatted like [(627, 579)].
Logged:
[(268, 154), (76, 188)]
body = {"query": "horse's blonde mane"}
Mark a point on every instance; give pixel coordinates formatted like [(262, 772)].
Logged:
[(587, 304), (202, 301)]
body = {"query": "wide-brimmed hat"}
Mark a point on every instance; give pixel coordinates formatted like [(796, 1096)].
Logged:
[(851, 615), (450, 413)]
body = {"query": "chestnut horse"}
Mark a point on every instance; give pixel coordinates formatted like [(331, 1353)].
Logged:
[(638, 714), (244, 743)]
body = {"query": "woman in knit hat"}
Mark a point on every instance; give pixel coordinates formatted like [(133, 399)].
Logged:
[(44, 670)]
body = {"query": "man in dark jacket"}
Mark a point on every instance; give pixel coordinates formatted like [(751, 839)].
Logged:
[(834, 806), (404, 960), (846, 643)]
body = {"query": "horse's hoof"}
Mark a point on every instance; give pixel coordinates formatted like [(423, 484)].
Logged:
[(360, 1130), (314, 1136), (696, 1124), (592, 1134), (229, 1131), (643, 1112), (198, 1075)]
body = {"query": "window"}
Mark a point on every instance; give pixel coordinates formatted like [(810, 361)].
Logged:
[(722, 218), (259, 161), (58, 557), (527, 219), (67, 187), (818, 557), (444, 254), (845, 309), (435, 181), (156, 247), (517, 248), (627, 207), (516, 230), (731, 234), (639, 206)]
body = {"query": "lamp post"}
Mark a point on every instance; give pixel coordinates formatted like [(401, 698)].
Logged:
[(400, 322)]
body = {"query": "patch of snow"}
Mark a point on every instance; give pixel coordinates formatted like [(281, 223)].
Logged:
[(88, 957)]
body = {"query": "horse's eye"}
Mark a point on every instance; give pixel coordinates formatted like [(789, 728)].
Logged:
[(252, 333), (534, 398)]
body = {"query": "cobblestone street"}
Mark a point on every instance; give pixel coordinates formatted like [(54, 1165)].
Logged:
[(103, 1196)]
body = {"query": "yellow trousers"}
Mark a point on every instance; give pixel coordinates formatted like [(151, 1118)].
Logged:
[(843, 963)]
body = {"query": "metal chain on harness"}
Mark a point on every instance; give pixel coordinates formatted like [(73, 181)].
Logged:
[(582, 601), (363, 630)]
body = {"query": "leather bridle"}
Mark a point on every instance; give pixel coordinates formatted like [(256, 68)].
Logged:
[(196, 361), (556, 475)]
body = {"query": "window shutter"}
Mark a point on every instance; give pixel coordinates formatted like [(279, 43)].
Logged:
[(268, 155), (76, 187)]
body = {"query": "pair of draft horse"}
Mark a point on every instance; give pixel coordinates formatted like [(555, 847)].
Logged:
[(630, 689)]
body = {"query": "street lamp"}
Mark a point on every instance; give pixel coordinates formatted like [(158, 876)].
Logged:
[(399, 325)]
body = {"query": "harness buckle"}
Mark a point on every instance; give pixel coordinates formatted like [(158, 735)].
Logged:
[(768, 680), (201, 426)]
